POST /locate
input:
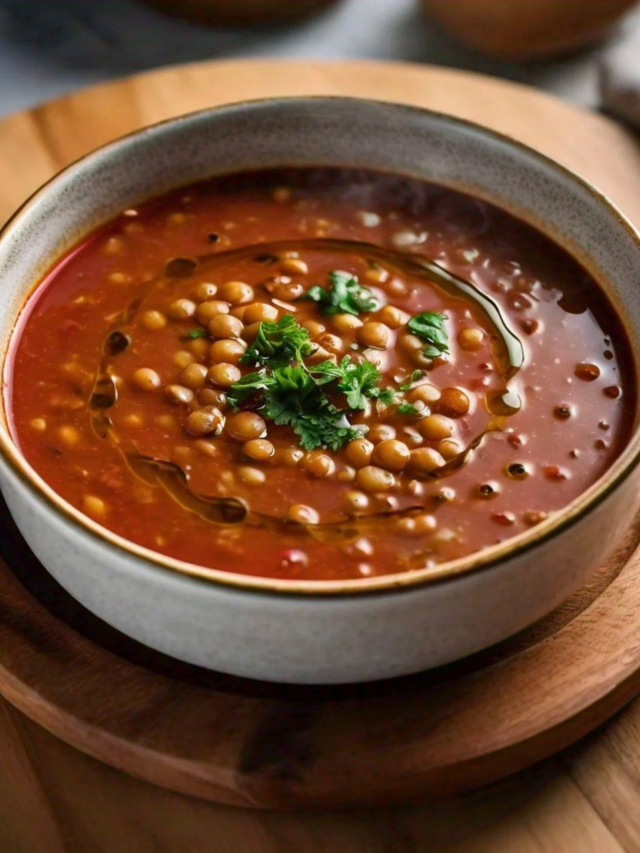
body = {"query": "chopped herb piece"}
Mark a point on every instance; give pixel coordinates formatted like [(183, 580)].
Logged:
[(318, 431), (407, 409), (248, 385), (355, 381), (386, 396), (345, 296), (430, 327), (290, 396), (195, 333), (279, 343), (288, 392), (417, 374), (298, 401)]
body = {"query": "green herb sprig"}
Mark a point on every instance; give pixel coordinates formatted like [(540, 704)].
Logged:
[(279, 343), (430, 327), (407, 409), (194, 334), (356, 381), (314, 400), (344, 296), (417, 374), (290, 396)]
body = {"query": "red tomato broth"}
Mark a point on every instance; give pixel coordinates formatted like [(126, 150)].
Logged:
[(546, 298)]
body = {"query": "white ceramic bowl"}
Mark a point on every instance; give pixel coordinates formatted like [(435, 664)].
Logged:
[(316, 631)]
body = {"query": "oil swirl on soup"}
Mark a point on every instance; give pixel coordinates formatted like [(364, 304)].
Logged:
[(319, 374)]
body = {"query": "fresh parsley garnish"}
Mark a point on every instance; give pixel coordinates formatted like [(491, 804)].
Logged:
[(314, 400), (417, 374), (298, 401), (279, 343), (407, 409), (248, 385), (355, 381), (195, 333), (344, 296), (290, 396), (430, 327)]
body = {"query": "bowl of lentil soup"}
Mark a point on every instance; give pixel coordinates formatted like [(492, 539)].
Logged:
[(319, 389)]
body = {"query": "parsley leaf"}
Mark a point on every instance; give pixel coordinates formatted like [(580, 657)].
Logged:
[(417, 374), (355, 381), (248, 385), (345, 296), (407, 409), (326, 428), (195, 333), (307, 398), (279, 343), (430, 327), (385, 396), (290, 396)]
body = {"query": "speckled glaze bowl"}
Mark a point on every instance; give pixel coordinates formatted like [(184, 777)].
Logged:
[(320, 631)]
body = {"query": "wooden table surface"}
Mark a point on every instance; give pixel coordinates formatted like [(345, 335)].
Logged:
[(54, 799)]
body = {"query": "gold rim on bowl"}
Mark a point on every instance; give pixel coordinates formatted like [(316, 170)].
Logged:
[(486, 559)]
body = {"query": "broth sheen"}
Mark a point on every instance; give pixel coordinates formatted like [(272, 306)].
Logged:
[(127, 362)]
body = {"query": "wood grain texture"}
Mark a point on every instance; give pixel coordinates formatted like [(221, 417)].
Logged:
[(37, 143), (569, 804), (96, 808), (268, 746)]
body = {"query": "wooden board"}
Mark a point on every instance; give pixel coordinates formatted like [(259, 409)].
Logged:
[(271, 746), (257, 745)]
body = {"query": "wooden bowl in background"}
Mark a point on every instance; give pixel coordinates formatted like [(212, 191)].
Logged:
[(232, 12), (526, 29)]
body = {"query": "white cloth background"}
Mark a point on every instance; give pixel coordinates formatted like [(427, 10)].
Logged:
[(48, 47)]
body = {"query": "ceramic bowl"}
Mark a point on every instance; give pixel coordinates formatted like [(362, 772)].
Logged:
[(327, 632)]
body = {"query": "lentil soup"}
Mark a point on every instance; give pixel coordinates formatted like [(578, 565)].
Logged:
[(319, 374)]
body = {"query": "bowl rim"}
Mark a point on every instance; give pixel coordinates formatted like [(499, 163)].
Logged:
[(489, 558)]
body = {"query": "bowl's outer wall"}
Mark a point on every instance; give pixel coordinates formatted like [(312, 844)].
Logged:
[(313, 638), (318, 639)]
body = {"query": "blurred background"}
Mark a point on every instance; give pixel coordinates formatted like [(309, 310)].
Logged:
[(49, 47)]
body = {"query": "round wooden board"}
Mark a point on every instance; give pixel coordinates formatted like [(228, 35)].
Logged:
[(265, 746)]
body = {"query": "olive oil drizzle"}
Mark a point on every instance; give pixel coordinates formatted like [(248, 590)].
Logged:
[(507, 349)]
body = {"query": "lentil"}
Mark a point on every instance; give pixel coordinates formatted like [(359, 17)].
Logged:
[(179, 395), (302, 514), (206, 311), (224, 374), (225, 326), (153, 320), (373, 334), (245, 426), (146, 379), (194, 376), (206, 421), (259, 449), (227, 350), (391, 454), (188, 324), (206, 291), (182, 309), (373, 479)]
